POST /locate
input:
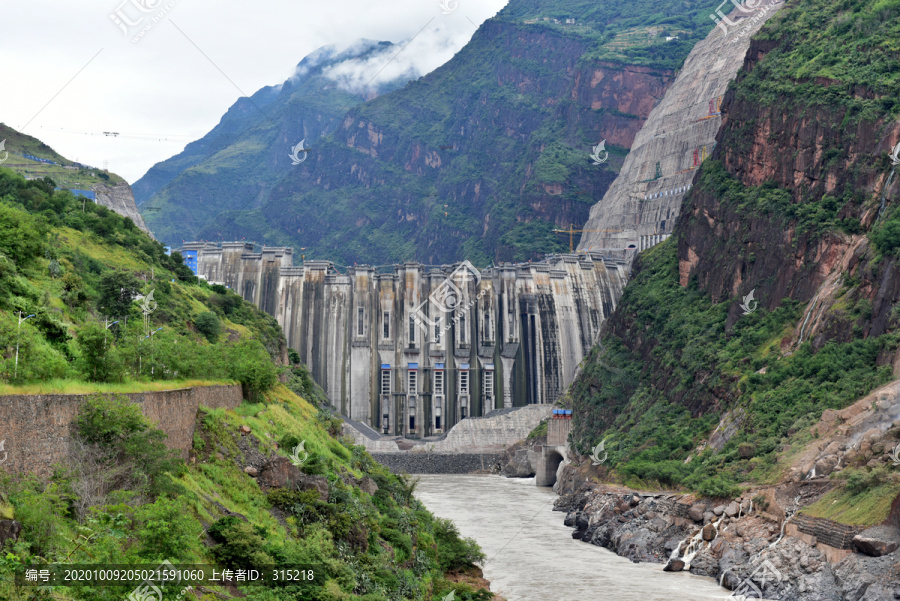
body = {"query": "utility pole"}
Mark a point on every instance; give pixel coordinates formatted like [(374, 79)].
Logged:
[(108, 326), (140, 365), (16, 374)]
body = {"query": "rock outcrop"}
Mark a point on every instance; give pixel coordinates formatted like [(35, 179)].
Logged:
[(120, 199), (9, 531), (281, 473), (746, 552)]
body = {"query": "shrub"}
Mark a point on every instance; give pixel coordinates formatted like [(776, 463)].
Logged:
[(117, 427), (168, 530), (209, 325), (241, 545), (109, 421), (250, 364), (455, 552), (860, 480), (21, 234), (293, 356)]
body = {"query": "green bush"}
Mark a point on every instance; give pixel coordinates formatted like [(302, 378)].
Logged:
[(209, 325), (21, 234), (251, 365), (117, 291), (117, 427), (860, 480), (167, 531), (109, 421), (454, 552), (240, 544)]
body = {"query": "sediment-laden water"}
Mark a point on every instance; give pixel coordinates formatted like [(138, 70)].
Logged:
[(531, 555)]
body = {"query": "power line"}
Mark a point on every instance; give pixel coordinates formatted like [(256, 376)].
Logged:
[(112, 134)]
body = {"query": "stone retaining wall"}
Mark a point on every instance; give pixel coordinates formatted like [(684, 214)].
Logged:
[(36, 429), (833, 534), (437, 463)]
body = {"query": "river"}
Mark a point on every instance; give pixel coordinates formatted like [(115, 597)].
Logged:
[(532, 556)]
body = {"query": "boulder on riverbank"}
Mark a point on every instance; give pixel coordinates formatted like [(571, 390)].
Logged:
[(740, 552)]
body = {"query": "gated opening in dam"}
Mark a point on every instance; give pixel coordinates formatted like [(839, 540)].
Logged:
[(412, 349)]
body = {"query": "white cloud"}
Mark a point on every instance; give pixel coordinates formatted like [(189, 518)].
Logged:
[(162, 92)]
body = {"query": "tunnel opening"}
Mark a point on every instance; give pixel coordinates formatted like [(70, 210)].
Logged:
[(551, 462)]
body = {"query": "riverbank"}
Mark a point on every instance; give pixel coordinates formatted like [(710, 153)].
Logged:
[(756, 545)]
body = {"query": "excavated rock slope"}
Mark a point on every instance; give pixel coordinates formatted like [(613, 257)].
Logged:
[(641, 205), (120, 199)]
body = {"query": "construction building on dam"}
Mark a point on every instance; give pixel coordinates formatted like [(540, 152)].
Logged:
[(414, 350)]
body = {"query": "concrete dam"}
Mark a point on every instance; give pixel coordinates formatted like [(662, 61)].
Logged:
[(415, 349)]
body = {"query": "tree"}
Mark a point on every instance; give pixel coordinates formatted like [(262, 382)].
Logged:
[(21, 234), (117, 291), (99, 359)]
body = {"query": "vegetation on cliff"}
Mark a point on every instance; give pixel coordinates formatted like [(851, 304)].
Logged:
[(124, 499), (689, 390), (77, 268), (656, 397)]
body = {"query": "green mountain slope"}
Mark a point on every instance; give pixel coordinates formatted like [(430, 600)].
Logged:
[(479, 159), (64, 172), (121, 497), (235, 165), (693, 384)]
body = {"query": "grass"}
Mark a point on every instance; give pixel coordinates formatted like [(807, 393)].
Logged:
[(866, 508), (76, 387)]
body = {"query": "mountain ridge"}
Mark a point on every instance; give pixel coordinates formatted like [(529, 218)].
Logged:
[(376, 189)]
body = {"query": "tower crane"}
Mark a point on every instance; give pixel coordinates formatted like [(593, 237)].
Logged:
[(572, 231)]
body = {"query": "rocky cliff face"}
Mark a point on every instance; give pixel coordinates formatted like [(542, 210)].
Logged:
[(478, 160), (467, 185), (744, 349), (792, 211), (641, 206), (120, 199), (814, 154)]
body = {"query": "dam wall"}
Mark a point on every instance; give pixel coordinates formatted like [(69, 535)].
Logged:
[(640, 207), (416, 349)]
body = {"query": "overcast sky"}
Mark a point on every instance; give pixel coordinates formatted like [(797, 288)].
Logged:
[(70, 72)]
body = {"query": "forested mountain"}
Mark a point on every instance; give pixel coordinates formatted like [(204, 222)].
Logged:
[(479, 159)]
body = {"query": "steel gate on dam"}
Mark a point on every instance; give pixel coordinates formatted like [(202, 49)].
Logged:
[(414, 351)]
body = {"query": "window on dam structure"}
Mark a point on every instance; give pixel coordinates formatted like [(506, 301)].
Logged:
[(385, 397), (488, 388), (360, 321), (386, 325), (413, 388), (438, 391), (437, 330), (412, 331), (385, 382)]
